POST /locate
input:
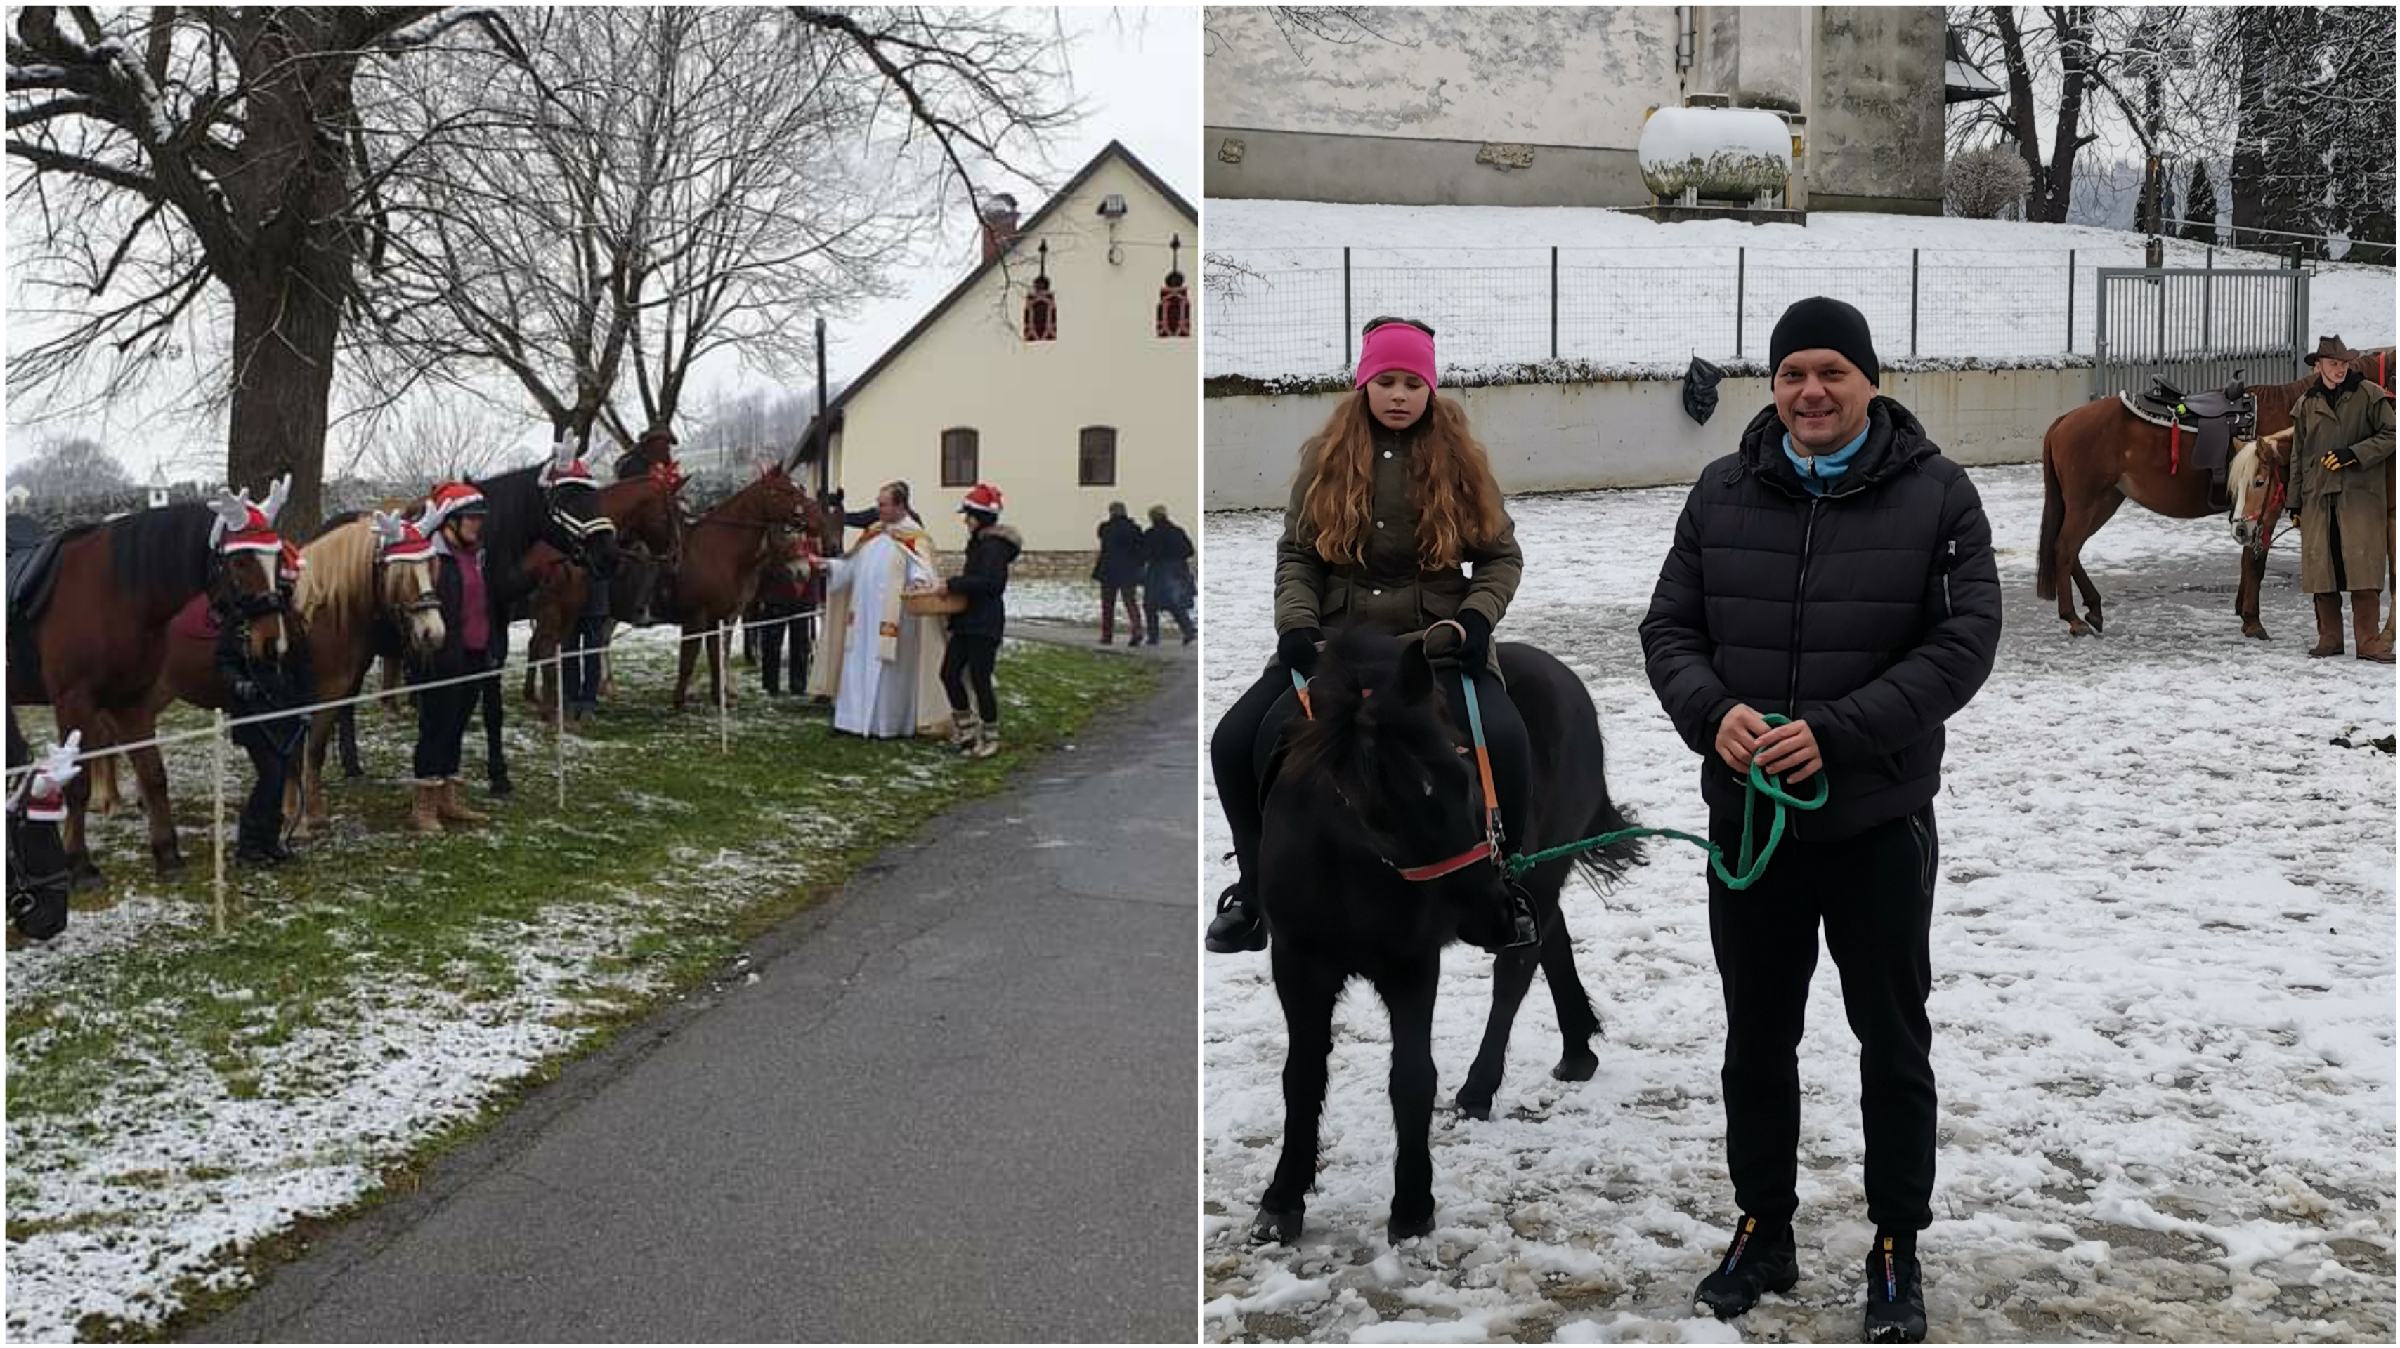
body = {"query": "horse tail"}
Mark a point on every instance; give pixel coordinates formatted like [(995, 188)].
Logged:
[(1605, 869), (2054, 517)]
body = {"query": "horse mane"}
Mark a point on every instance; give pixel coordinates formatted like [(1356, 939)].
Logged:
[(337, 586), (162, 555), (1363, 729), (515, 505)]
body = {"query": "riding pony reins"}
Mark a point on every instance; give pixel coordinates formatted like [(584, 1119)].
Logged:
[(1753, 865)]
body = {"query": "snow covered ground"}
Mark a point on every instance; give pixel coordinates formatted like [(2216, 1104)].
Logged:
[(2163, 1000), (1635, 293)]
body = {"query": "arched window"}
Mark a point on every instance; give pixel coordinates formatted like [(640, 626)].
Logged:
[(962, 453), (1041, 306), (1097, 461), (1174, 299)]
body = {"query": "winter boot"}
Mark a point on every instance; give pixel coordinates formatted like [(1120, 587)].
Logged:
[(2329, 626), (424, 816), (256, 846), (987, 741), (964, 727), (1238, 925), (1761, 1259), (1895, 1291), (2366, 615), (451, 804)]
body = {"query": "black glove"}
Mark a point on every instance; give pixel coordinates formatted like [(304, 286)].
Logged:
[(1478, 647), (1296, 650), (2341, 456)]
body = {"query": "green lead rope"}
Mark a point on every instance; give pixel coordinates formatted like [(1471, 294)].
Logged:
[(1761, 783)]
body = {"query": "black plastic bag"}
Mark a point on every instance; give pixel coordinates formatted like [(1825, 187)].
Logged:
[(1700, 390)]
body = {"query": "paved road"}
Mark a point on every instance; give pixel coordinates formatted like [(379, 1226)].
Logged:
[(959, 1103)]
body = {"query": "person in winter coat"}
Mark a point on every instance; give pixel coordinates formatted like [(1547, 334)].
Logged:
[(783, 594), (454, 518), (1837, 570), (975, 634), (1119, 570), (2341, 484), (1394, 499), (1167, 583), (262, 687)]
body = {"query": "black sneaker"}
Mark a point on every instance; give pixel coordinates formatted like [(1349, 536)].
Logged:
[(1238, 925), (1760, 1259), (1895, 1291)]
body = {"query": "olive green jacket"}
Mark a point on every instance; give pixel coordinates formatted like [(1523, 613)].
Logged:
[(1388, 592), (2352, 504)]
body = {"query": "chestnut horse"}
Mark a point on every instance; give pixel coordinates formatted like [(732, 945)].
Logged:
[(646, 510), (95, 652), (2099, 456), (723, 554)]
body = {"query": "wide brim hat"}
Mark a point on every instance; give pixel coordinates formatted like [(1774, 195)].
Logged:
[(2332, 348)]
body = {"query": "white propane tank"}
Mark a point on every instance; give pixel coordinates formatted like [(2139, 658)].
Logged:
[(1715, 154)]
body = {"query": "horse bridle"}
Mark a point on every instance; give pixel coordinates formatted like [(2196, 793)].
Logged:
[(26, 888), (1490, 848)]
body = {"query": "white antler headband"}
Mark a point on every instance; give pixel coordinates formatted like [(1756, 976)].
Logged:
[(277, 495)]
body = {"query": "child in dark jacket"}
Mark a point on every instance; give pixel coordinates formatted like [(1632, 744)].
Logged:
[(975, 633), (256, 685)]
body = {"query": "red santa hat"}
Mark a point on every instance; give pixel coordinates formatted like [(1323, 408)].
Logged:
[(982, 498), (399, 540), (244, 525), (447, 500), (565, 469)]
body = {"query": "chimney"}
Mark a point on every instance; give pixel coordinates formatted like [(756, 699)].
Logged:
[(999, 213)]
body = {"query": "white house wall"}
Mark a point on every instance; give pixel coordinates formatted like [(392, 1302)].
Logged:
[(1031, 400)]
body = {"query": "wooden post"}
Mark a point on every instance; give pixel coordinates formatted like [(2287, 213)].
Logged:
[(724, 690), (216, 776), (558, 727)]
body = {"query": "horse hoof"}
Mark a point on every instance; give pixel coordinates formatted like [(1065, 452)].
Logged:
[(167, 860), (2255, 633), (2099, 628), (1270, 1227), (1577, 1065), (2078, 630), (1479, 1108), (1409, 1228), (86, 877)]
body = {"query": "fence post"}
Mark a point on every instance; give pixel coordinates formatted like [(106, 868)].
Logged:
[(558, 727), (216, 777), (1347, 326), (1554, 301), (724, 690), (2070, 301), (1741, 268), (1912, 301)]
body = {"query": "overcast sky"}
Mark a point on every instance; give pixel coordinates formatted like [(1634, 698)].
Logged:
[(1135, 70)]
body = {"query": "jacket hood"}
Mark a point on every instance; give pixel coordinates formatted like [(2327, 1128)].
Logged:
[(1895, 440), (1010, 541)]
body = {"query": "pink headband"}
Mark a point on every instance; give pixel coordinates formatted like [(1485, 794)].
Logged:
[(1396, 346)]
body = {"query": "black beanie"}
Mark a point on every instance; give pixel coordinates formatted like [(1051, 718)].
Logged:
[(1818, 322)]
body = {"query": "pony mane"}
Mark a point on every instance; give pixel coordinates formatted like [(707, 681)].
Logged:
[(162, 555), (1363, 731), (338, 584)]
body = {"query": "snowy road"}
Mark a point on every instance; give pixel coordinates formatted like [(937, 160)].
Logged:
[(2162, 1007)]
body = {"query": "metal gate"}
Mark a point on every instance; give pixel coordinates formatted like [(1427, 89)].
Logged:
[(2198, 328)]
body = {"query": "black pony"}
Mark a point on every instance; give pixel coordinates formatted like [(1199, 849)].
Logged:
[(1376, 783)]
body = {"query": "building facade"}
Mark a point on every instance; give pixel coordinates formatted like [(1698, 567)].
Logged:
[(1064, 370), (1544, 105)]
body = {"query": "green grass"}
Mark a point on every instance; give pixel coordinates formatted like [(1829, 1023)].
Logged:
[(668, 858)]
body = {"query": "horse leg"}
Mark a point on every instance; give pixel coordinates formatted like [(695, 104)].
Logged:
[(2245, 599), (150, 769), (1307, 989), (685, 658), (1512, 974), (1408, 997), (2066, 561), (76, 713), (1578, 1022)]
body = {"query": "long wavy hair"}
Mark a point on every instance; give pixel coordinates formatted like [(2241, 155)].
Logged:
[(1449, 480)]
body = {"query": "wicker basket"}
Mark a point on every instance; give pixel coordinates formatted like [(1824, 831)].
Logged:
[(933, 605)]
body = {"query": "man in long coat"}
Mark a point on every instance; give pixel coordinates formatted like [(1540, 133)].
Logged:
[(2341, 496)]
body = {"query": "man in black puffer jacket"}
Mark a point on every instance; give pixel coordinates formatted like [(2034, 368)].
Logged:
[(1836, 570)]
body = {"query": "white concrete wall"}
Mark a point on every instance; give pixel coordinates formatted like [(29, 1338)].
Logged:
[(1544, 75), (1030, 400), (1633, 433)]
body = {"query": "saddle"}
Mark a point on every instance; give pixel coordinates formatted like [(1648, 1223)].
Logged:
[(33, 566), (2213, 419)]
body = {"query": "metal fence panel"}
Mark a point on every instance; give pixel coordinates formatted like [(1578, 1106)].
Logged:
[(2197, 328)]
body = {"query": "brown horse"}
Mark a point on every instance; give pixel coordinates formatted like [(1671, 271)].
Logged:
[(95, 651), (2099, 456), (646, 510), (722, 557)]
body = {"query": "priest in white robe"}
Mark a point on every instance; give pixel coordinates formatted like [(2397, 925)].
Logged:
[(879, 663)]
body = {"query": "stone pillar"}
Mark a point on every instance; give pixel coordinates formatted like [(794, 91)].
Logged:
[(1875, 110)]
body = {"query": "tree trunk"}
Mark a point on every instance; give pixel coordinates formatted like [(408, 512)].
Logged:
[(285, 327)]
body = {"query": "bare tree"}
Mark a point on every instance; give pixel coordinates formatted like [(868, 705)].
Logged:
[(173, 153), (71, 469), (432, 440)]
